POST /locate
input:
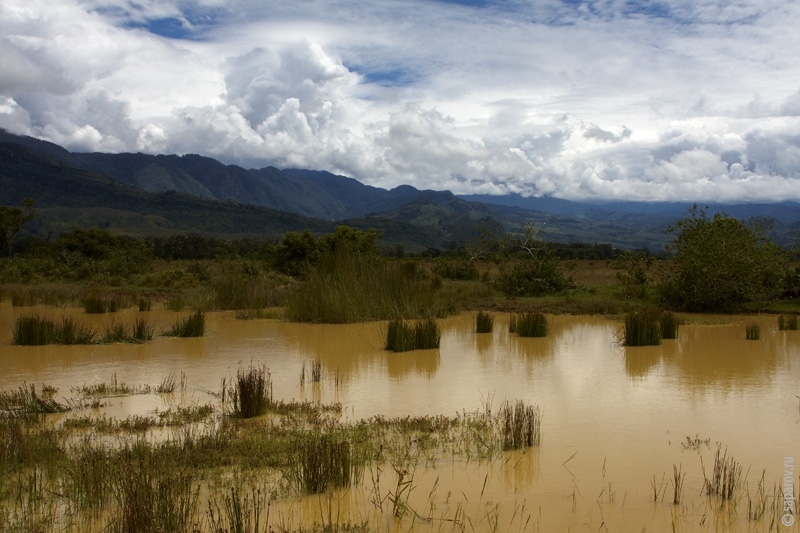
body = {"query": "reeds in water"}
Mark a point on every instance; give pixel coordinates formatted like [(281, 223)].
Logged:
[(193, 325), (252, 393), (643, 328), (521, 425), (726, 479), (402, 336), (94, 304), (752, 331), (529, 325), (323, 462), (35, 330), (669, 325), (484, 323), (787, 322), (25, 403)]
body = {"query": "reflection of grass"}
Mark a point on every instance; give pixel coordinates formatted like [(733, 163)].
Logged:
[(787, 322), (753, 331)]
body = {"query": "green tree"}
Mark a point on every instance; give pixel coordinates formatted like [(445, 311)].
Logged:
[(12, 219), (721, 262)]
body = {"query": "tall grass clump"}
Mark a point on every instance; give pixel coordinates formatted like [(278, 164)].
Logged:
[(402, 336), (399, 336), (669, 325), (193, 325), (69, 331), (252, 392), (145, 304), (349, 287), (323, 462), (239, 513), (787, 322), (94, 304), (529, 325), (520, 425), (238, 291), (33, 330), (752, 331), (642, 328), (151, 496), (484, 323), (142, 331)]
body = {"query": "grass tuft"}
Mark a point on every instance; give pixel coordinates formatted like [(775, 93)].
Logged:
[(753, 331), (787, 322), (529, 325), (252, 393), (193, 325), (643, 328), (402, 336), (521, 425), (669, 325), (484, 323)]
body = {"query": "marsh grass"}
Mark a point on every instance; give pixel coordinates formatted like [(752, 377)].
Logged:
[(242, 292), (168, 384), (346, 287), (529, 325), (240, 513), (521, 425), (151, 495), (24, 403), (95, 304), (669, 325), (145, 304), (403, 336), (726, 478), (322, 462), (33, 330), (787, 322), (252, 392), (753, 331), (193, 325), (484, 323), (678, 478), (642, 328)]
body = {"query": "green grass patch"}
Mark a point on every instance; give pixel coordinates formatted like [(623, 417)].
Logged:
[(669, 324), (752, 331)]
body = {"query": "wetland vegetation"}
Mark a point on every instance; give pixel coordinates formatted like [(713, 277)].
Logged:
[(233, 461)]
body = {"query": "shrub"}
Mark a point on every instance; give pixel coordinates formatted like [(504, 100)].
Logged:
[(720, 263), (532, 277), (462, 270)]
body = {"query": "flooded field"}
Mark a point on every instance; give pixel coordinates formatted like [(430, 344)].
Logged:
[(616, 420)]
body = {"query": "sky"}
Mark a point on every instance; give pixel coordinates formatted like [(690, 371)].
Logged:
[(673, 100)]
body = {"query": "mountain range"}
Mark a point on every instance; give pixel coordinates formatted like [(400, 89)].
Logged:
[(166, 194)]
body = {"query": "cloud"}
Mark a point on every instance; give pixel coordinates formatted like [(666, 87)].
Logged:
[(602, 99)]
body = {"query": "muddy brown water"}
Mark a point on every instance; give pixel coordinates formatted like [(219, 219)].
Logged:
[(614, 417)]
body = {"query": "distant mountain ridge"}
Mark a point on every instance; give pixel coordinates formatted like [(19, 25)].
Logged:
[(317, 199)]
